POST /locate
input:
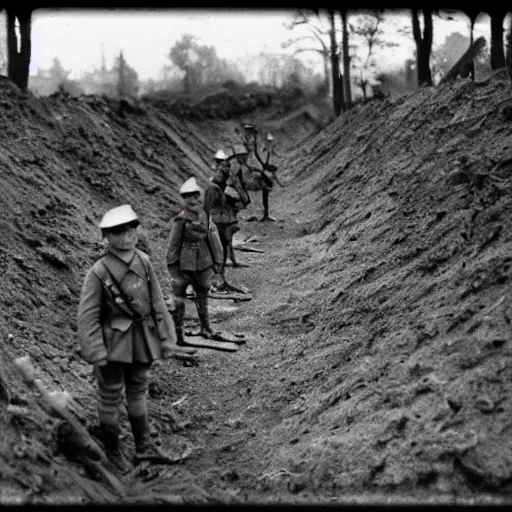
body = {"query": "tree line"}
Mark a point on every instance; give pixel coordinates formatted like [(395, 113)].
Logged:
[(331, 32)]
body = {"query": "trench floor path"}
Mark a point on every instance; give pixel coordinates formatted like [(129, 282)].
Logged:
[(231, 400)]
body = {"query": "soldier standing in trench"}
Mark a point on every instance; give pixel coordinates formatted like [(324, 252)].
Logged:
[(194, 257), (258, 179), (221, 208), (123, 326)]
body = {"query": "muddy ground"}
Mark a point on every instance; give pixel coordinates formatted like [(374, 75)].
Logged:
[(377, 367)]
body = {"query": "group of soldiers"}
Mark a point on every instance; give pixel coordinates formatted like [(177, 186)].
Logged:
[(125, 323)]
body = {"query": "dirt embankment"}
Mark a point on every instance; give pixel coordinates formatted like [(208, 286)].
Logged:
[(64, 162), (400, 279)]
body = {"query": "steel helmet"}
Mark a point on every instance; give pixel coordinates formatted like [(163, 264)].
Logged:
[(220, 155), (270, 137), (118, 216), (189, 186)]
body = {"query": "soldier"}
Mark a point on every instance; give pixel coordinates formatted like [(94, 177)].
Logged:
[(221, 161), (220, 208), (236, 189), (251, 175), (194, 256), (261, 179), (123, 326)]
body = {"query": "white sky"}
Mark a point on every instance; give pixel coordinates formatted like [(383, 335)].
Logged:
[(146, 36)]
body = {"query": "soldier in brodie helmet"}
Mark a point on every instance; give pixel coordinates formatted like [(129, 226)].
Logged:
[(123, 326), (194, 257), (236, 190), (221, 161), (220, 207)]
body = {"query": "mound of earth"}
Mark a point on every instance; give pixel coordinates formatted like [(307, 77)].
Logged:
[(399, 293), (230, 101)]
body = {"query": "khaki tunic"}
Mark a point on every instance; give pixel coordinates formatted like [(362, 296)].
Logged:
[(194, 242), (107, 328)]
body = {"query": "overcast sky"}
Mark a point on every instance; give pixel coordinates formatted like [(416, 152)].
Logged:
[(76, 36)]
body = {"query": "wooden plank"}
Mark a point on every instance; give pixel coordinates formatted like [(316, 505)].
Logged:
[(232, 337), (200, 342), (240, 297), (247, 249)]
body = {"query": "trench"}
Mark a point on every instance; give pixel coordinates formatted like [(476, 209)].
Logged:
[(230, 403)]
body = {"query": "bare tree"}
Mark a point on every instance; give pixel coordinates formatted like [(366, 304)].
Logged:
[(508, 56), (423, 44), (316, 37), (304, 17), (126, 78), (346, 58), (18, 62), (121, 76), (337, 79), (368, 28)]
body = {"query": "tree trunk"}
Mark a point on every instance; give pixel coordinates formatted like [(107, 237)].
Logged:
[(121, 77), (12, 45), (326, 73), (19, 61), (508, 59), (346, 62), (26, 48), (337, 79), (471, 64), (423, 45), (497, 48)]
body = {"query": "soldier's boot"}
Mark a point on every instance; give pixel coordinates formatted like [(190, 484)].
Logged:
[(204, 318), (145, 448), (178, 315), (110, 438)]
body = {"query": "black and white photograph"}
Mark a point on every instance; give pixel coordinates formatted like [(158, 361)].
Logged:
[(256, 256)]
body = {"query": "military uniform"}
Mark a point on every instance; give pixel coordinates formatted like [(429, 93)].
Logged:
[(194, 249), (222, 211), (106, 324), (123, 326)]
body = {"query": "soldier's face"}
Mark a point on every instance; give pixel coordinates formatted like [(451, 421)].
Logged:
[(222, 165), (242, 158), (124, 237), (192, 201)]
